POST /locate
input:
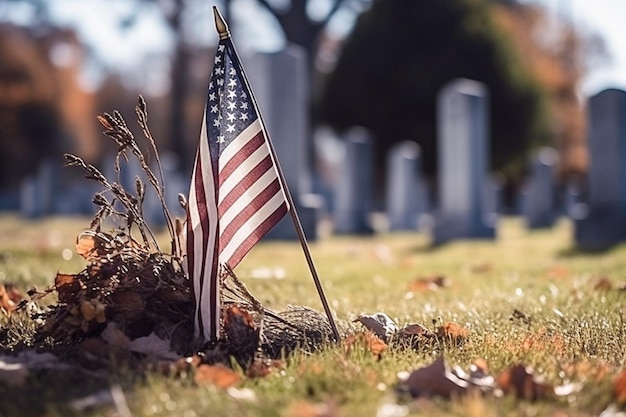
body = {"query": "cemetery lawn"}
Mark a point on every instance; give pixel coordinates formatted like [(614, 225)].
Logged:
[(528, 298)]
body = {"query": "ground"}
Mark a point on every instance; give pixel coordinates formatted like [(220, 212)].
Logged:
[(527, 298)]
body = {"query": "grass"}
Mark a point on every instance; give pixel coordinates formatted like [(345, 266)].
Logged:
[(570, 331)]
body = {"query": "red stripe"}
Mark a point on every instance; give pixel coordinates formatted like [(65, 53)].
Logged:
[(248, 211), (246, 182), (241, 156), (258, 233)]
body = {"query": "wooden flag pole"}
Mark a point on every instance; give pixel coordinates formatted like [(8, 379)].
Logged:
[(222, 29)]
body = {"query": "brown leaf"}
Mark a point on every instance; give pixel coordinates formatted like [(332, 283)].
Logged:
[(428, 283), (415, 329), (261, 367), (619, 387), (307, 409), (453, 332), (6, 304), (433, 380), (520, 381), (603, 284), (85, 245), (367, 340), (218, 375), (67, 286)]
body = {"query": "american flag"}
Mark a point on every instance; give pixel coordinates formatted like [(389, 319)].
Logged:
[(235, 195)]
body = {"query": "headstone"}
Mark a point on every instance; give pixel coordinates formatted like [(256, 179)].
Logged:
[(603, 223), (463, 156), (406, 193), (280, 82), (37, 192), (354, 186), (539, 208)]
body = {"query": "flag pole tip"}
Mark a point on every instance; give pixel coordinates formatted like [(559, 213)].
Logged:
[(220, 24)]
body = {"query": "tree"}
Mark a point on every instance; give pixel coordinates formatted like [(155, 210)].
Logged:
[(400, 55)]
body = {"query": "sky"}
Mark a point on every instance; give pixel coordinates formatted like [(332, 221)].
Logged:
[(146, 41)]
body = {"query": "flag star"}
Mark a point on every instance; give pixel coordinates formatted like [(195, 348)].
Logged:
[(218, 59), (212, 96), (243, 95), (220, 82), (232, 105), (231, 117), (232, 82), (232, 94), (230, 128), (219, 71), (233, 71), (244, 105), (210, 85), (221, 139), (221, 48), (216, 122), (244, 116), (214, 109)]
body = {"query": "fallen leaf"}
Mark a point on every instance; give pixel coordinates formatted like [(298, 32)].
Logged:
[(86, 245), (307, 409), (521, 382), (453, 332), (437, 379), (67, 286), (262, 367), (366, 339), (603, 284), (6, 304), (558, 272), (619, 387), (428, 283), (433, 380), (380, 324), (152, 345), (218, 375)]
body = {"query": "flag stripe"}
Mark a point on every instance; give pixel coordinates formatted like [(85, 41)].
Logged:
[(260, 158), (260, 231), (229, 209), (242, 216), (235, 195)]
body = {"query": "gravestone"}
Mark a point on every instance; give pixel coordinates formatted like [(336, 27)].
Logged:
[(406, 195), (539, 208), (280, 83), (463, 157), (603, 223), (37, 192), (354, 186)]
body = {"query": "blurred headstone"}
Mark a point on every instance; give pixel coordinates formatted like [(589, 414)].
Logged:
[(405, 191), (539, 208), (463, 179), (38, 192), (280, 83), (603, 223), (354, 186)]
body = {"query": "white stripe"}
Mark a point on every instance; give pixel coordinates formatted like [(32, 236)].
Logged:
[(239, 142), (248, 195), (249, 226), (203, 302), (242, 170)]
